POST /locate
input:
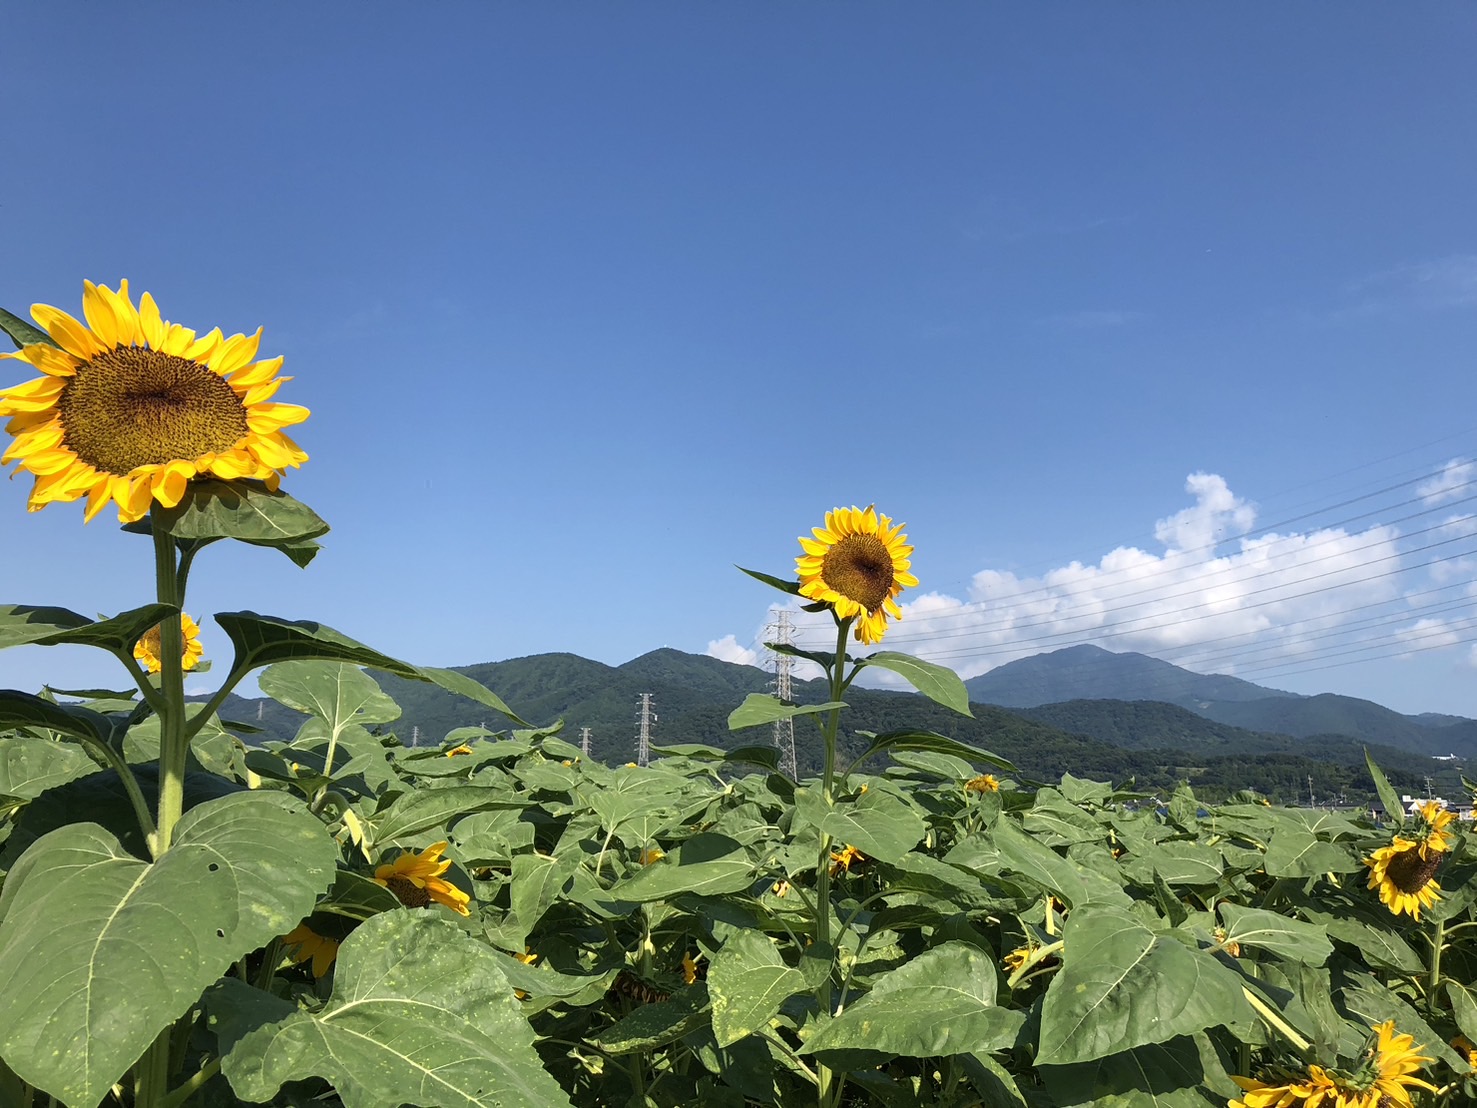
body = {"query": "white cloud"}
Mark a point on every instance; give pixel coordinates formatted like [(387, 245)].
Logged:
[(727, 649), (1426, 634), (1218, 514), (1454, 480)]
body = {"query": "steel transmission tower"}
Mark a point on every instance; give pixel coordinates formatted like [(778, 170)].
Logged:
[(645, 717), (784, 729), (585, 743)]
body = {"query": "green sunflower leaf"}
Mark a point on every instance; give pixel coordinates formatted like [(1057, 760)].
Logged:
[(1293, 939), (421, 1013), (880, 825), (28, 767), (89, 933), (939, 683), (1389, 798), (261, 640), (20, 709), (1123, 986), (760, 708), (704, 865), (932, 742), (414, 812), (246, 510), (22, 333), (1181, 1073), (23, 623), (748, 981), (939, 1003), (790, 587)]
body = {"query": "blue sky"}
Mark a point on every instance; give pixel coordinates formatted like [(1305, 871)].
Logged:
[(591, 303)]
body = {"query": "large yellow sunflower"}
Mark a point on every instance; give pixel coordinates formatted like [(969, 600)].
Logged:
[(1383, 1080), (415, 877), (1405, 871), (857, 563), (147, 651), (132, 407)]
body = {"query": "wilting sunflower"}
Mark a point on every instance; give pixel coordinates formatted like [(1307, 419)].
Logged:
[(302, 943), (1383, 1079), (984, 783), (857, 563), (148, 652), (131, 408), (1405, 871), (416, 879)]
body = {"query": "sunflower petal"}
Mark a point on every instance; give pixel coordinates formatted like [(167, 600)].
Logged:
[(150, 324), (235, 353), (266, 418), (71, 335)]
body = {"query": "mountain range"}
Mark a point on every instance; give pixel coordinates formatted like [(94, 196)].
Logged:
[(1091, 673), (1092, 712)]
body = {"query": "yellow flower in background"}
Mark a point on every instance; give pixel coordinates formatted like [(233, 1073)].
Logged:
[(148, 652), (1404, 872), (415, 878), (651, 854), (131, 408), (841, 861), (984, 783), (857, 563), (690, 967), (302, 943), (1383, 1080), (454, 751)]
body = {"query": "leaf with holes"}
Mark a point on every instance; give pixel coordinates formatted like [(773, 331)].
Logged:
[(88, 932)]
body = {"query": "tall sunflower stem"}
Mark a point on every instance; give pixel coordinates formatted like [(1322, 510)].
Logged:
[(829, 1082), (1433, 975), (174, 745)]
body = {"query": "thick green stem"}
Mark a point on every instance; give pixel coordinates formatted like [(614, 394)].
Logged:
[(829, 1081), (173, 744), (1433, 976)]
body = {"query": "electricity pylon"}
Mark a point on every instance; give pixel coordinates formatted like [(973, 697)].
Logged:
[(784, 729), (645, 717)]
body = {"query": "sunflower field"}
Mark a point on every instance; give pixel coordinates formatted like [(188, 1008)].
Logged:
[(190, 915)]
